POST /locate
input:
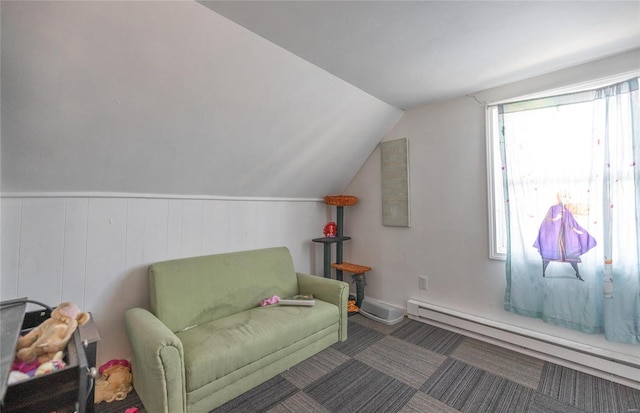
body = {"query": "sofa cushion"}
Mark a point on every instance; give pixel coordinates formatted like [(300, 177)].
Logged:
[(215, 349), (192, 291)]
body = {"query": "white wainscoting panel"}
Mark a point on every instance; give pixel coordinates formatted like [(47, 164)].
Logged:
[(156, 218), (10, 248), (75, 250), (95, 249), (41, 248), (215, 225)]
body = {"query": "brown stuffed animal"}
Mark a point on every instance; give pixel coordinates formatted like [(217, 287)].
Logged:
[(114, 383), (52, 335)]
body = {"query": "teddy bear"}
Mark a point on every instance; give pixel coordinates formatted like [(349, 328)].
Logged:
[(52, 335), (115, 381)]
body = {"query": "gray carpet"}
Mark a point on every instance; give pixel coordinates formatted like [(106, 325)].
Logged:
[(413, 367)]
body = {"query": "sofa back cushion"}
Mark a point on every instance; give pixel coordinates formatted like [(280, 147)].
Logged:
[(190, 291)]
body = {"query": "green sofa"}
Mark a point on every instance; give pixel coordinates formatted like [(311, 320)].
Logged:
[(206, 340)]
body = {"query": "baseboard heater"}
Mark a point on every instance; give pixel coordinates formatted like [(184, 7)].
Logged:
[(616, 367)]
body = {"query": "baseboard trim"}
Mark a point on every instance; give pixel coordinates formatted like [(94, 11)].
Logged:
[(608, 365)]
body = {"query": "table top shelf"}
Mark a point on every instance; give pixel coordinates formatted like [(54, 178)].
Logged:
[(331, 240), (352, 268)]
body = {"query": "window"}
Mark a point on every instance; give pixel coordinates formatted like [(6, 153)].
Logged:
[(571, 121)]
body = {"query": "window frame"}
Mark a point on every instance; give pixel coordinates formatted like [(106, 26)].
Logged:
[(496, 206), (497, 218)]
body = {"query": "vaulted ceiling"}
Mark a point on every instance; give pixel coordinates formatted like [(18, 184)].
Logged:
[(409, 53), (268, 99)]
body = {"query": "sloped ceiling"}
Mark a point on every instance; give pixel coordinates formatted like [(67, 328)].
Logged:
[(269, 99), (171, 98), (410, 53)]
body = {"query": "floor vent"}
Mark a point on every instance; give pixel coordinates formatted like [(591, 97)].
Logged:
[(617, 367)]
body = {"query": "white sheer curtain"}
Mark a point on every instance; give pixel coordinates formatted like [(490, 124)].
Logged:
[(572, 193)]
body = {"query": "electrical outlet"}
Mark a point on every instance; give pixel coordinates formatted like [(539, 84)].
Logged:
[(423, 282)]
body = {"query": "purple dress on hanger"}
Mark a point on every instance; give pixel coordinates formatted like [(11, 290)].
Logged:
[(561, 238)]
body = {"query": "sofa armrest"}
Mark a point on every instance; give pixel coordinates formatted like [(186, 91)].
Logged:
[(158, 362), (329, 290)]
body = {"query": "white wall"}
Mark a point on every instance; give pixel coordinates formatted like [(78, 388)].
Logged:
[(169, 97), (448, 237), (95, 250)]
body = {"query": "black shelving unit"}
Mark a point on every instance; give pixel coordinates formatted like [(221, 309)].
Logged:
[(329, 241), (339, 265)]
